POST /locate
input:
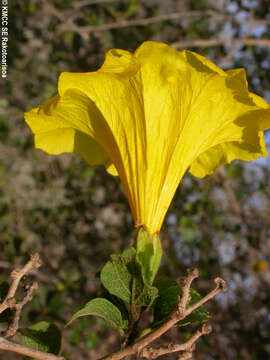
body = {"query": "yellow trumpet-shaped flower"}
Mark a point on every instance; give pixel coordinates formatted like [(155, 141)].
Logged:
[(149, 117)]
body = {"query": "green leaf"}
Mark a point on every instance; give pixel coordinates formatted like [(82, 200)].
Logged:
[(43, 336), (120, 304), (104, 309), (146, 296), (129, 252), (149, 253), (116, 275), (163, 282), (122, 277), (168, 301)]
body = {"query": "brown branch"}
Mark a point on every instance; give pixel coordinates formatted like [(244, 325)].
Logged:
[(10, 302), (17, 276), (178, 314), (137, 22), (79, 4), (24, 350), (187, 354), (220, 287), (84, 31), (219, 42), (185, 284), (188, 346), (40, 276), (51, 9), (14, 325)]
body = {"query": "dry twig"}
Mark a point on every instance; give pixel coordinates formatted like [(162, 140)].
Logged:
[(17, 276), (13, 327), (24, 350), (82, 3), (187, 347), (219, 42), (10, 302), (68, 24), (141, 346), (83, 30)]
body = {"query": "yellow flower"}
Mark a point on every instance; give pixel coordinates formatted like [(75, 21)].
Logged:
[(151, 116)]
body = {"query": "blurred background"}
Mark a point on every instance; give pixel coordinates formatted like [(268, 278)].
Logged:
[(75, 216)]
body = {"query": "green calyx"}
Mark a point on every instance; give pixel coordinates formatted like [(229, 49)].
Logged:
[(148, 254)]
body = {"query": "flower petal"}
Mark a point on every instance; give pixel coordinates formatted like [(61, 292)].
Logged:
[(62, 125), (192, 108), (208, 162), (116, 92)]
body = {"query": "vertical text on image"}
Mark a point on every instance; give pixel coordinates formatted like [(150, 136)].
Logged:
[(4, 38)]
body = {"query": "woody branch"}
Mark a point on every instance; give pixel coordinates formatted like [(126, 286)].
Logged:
[(9, 302), (141, 347)]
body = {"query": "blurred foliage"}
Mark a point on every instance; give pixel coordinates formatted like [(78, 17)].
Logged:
[(42, 336), (75, 216)]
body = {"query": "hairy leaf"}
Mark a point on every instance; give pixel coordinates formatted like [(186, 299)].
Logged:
[(116, 275), (120, 304), (146, 296), (122, 277), (104, 309)]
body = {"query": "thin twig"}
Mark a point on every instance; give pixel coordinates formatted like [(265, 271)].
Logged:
[(40, 276), (137, 22), (185, 284), (24, 350), (17, 275), (86, 30), (220, 287), (10, 302), (188, 346), (51, 9), (79, 4), (14, 325), (176, 315), (219, 42), (186, 355)]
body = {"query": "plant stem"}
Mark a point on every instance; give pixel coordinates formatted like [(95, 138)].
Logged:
[(24, 350)]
